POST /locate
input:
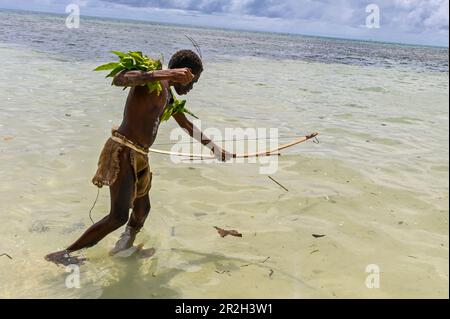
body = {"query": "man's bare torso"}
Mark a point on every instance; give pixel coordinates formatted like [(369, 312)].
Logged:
[(142, 114)]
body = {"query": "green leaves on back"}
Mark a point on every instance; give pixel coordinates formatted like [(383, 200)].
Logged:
[(155, 86), (133, 61), (178, 106)]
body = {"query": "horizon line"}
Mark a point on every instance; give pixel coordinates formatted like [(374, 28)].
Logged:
[(233, 29)]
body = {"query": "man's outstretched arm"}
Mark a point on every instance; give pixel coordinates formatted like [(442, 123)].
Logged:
[(194, 132), (138, 78)]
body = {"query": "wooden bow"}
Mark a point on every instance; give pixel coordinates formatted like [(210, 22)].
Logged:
[(271, 152)]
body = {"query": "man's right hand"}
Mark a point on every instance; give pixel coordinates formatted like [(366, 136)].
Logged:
[(183, 76)]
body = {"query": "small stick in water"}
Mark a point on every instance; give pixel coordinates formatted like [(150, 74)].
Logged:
[(278, 184), (260, 262), (5, 254)]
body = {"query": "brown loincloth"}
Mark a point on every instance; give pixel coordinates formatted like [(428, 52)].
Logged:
[(109, 165)]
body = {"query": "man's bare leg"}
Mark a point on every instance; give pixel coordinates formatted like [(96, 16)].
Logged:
[(121, 192), (140, 212)]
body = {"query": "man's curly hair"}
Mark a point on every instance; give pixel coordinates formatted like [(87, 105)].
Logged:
[(186, 59)]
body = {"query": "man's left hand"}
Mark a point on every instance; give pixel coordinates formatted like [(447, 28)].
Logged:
[(223, 155)]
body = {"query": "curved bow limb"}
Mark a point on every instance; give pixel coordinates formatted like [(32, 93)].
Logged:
[(271, 152)]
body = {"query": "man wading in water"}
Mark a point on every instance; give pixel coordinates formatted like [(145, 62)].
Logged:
[(123, 163)]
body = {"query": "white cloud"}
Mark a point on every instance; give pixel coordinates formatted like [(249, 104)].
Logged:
[(417, 21), (425, 14)]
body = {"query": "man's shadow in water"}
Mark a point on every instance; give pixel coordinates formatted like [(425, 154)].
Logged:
[(134, 285)]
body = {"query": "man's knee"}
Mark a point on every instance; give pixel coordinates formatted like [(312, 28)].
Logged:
[(118, 217)]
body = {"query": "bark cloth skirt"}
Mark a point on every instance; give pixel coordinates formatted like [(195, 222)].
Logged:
[(109, 165)]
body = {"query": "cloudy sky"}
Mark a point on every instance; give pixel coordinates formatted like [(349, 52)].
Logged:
[(405, 21)]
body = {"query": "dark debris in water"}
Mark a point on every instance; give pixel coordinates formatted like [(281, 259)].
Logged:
[(278, 183), (7, 255), (223, 232), (223, 272), (261, 262), (38, 227)]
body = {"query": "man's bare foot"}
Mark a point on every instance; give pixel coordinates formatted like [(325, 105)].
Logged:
[(63, 258), (125, 242)]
